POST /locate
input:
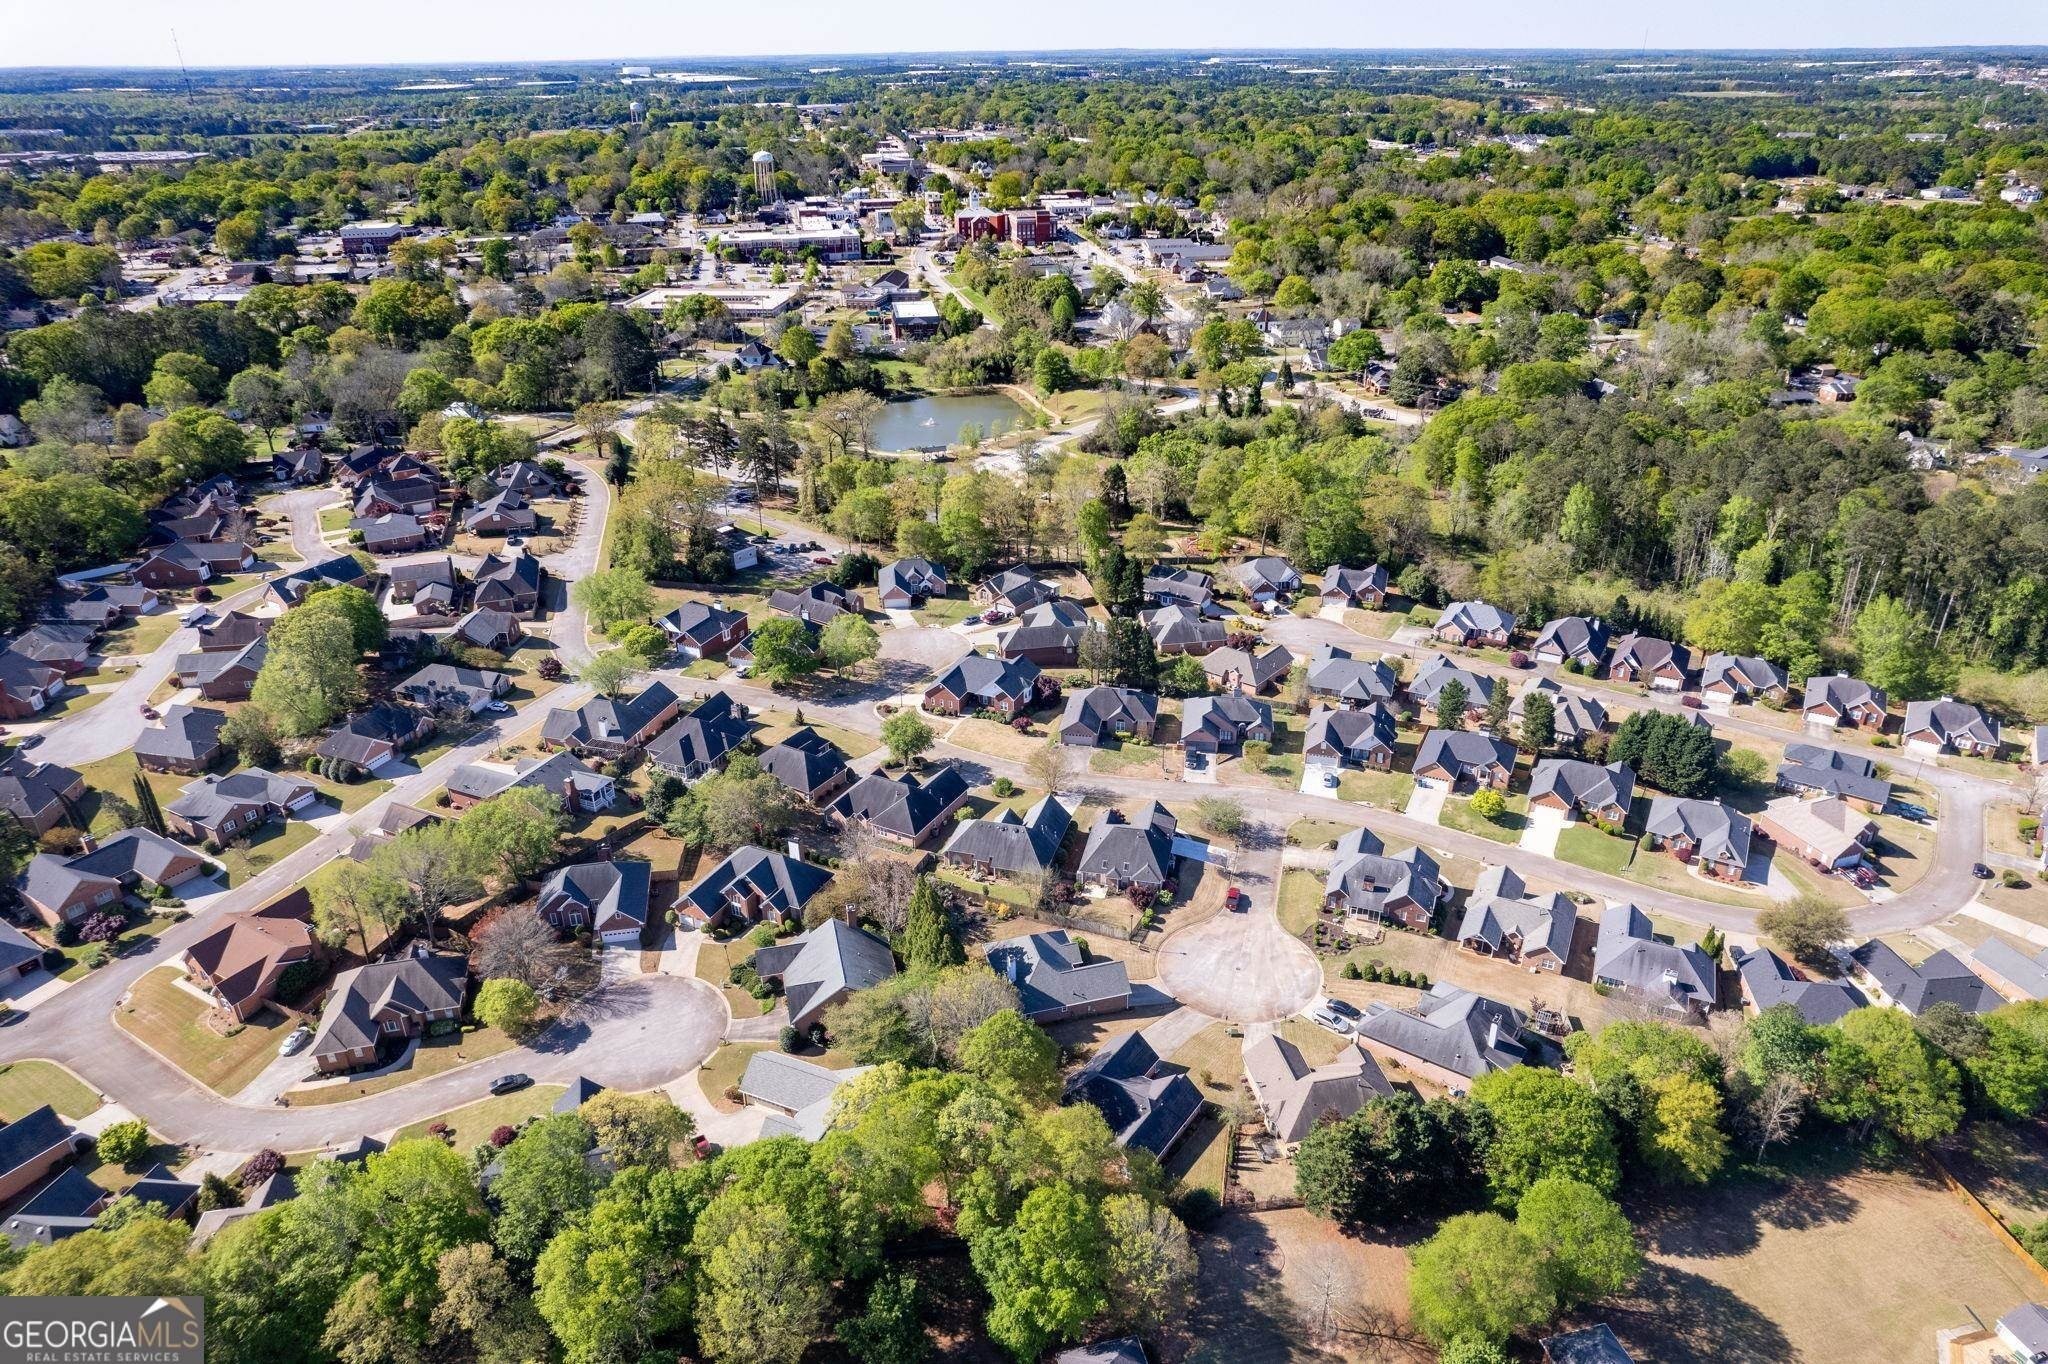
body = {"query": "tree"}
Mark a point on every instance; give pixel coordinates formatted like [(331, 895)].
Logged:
[(640, 1130), (144, 1257), (1543, 1125), (743, 805), (1478, 1277), (614, 595), (1052, 767), (253, 733), (1044, 1271), (435, 868), (848, 641), (611, 672), (310, 674), (1014, 1055), (518, 944), (1878, 1067), (514, 832), (121, 1143), (1150, 1267), (891, 1330), (544, 1179), (928, 938), (1896, 651), (1397, 1157), (192, 445), (1133, 662), (1588, 1249), (507, 1005), (1804, 926), (484, 1307), (762, 1299), (1539, 722), (1451, 702), (2012, 1069), (906, 735), (1489, 804), (782, 650), (1661, 1083), (1666, 751), (613, 1283), (146, 808), (261, 396), (1222, 815)]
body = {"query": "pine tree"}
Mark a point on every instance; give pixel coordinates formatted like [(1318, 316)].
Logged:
[(145, 802), (928, 939)]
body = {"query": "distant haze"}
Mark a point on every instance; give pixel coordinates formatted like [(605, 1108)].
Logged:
[(244, 33)]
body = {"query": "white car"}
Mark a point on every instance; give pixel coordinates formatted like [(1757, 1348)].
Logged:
[(498, 707), (295, 1041), (1326, 1017)]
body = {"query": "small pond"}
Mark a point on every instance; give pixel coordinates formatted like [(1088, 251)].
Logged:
[(934, 423)]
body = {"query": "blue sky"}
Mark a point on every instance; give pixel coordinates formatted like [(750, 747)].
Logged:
[(241, 32)]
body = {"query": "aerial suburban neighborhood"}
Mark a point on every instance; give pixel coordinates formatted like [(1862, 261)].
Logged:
[(1139, 708)]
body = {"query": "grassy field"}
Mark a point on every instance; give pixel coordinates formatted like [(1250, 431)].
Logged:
[(27, 1085), (173, 1021), (1316, 833), (1458, 814), (715, 961), (1589, 847), (1301, 893), (1389, 790), (139, 929), (998, 741), (435, 1055), (474, 1123)]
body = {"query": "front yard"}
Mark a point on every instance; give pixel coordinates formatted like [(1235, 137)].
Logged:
[(471, 1125), (27, 1085), (435, 1055), (165, 1016), (1458, 814)]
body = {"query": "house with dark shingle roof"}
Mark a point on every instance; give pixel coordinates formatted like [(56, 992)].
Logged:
[(500, 514), (1048, 634), (1177, 629), (1438, 672), (1592, 1345), (510, 582), (524, 477), (1294, 1096), (1811, 770), (581, 789), (1366, 587), (1268, 578), (222, 674), (815, 604), (225, 808), (1843, 702), (1017, 588), (1138, 852), (58, 644), (1405, 888), (1462, 757), (62, 889), (64, 1206), (371, 738), (1147, 1107), (1573, 715), (39, 795), (1007, 686), (20, 955), (1710, 834), (234, 631), (1360, 738), (1449, 1036), (1176, 586), (1224, 724), (820, 968), (1650, 662), (187, 740), (244, 955), (608, 898), (1737, 677), (1242, 670), (489, 628), (1572, 639), (1627, 956), (443, 685), (1472, 623), (1767, 981), (701, 741), (1943, 978), (1055, 978), (1583, 788), (612, 725), (704, 629), (752, 885), (808, 763), (1504, 919), (1335, 673), (1949, 726), (31, 1147), (1010, 844), (392, 533), (386, 1000), (797, 1093), (905, 808), (909, 583), (1094, 715)]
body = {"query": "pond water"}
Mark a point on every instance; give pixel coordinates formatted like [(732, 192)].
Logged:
[(934, 423)]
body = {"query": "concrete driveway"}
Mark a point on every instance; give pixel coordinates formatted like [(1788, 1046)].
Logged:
[(1539, 835), (1243, 966), (1426, 803)]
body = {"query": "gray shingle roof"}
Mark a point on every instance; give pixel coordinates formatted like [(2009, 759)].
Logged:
[(1580, 637), (186, 734), (1627, 954), (1367, 879), (1180, 627), (31, 789), (612, 895), (713, 728), (820, 966), (977, 677), (1356, 734), (1013, 844), (1827, 771), (1139, 851), (1144, 1108), (1438, 672), (1721, 831), (805, 762), (1050, 973), (699, 621), (607, 718), (29, 1136), (1500, 906), (1229, 719), (1942, 978), (1477, 617), (906, 805), (785, 884), (1584, 785), (1353, 582), (1841, 692), (1770, 981), (1296, 1096), (1336, 672), (1951, 721), (1741, 673), (1108, 710), (2027, 974), (414, 985), (1464, 1033), (1462, 751)]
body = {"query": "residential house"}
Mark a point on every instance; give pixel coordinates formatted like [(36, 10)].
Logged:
[(752, 885), (815, 604), (798, 1094), (383, 496), (223, 674), (1363, 587), (223, 809), (1242, 670), (1007, 686), (1504, 919), (1176, 586), (1735, 677), (1475, 623), (1890, 979), (823, 967), (1829, 832), (66, 1204), (611, 726), (608, 898), (1131, 855), (393, 533), (443, 686), (1224, 724), (63, 889), (1056, 979), (102, 604), (500, 514), (1811, 770), (371, 739), (1266, 579), (510, 582), (243, 957), (1767, 981), (1573, 639), (1591, 1345), (1438, 672), (905, 808), (1294, 1096), (526, 478), (1582, 788), (1949, 726), (1148, 1107), (1628, 957), (2015, 974), (192, 563), (1449, 1037), (1464, 757), (1405, 888), (279, 1188), (1094, 715), (701, 741), (1573, 715), (31, 1147), (1711, 835), (1182, 630), (386, 1002), (487, 628), (233, 632), (909, 583), (39, 796), (1359, 738), (581, 789), (20, 955), (809, 764), (1048, 634), (1017, 588), (1007, 844), (341, 571), (1335, 673), (299, 467), (1839, 701), (56, 644), (396, 819), (26, 686), (704, 629), (1650, 662)]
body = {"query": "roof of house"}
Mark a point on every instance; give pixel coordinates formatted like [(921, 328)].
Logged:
[(921, 577), (977, 675), (906, 805), (2028, 1324), (1367, 878), (1352, 581), (392, 528), (1110, 709), (1578, 637), (1573, 715), (1052, 972), (29, 1136), (1228, 717), (1438, 672), (1951, 721), (1941, 979), (2027, 974), (448, 679), (1501, 906), (1016, 844), (1144, 1109), (1351, 731), (185, 734), (482, 780), (710, 730), (608, 717), (1136, 851), (818, 965), (1267, 571), (1337, 672), (1720, 831), (507, 575), (613, 894), (1584, 785), (360, 738), (784, 884), (1181, 584), (1181, 627), (699, 621), (1020, 587), (1476, 617), (212, 798), (1296, 1096), (65, 1205), (235, 630), (1463, 750), (580, 1091), (1770, 981), (1647, 653), (1829, 825), (244, 954), (417, 983), (210, 665), (1810, 767), (1741, 672), (814, 604), (1055, 624), (1627, 951), (1461, 1032), (1593, 1345), (804, 762), (1260, 670), (29, 789), (17, 948), (54, 641), (50, 879), (1840, 692)]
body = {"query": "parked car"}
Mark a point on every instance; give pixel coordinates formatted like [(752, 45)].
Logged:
[(1195, 762), (1343, 1009), (295, 1041), (1330, 778), (1908, 810), (1980, 871), (148, 711), (1691, 702), (505, 1084), (700, 1146), (498, 707), (1234, 899), (1325, 1016)]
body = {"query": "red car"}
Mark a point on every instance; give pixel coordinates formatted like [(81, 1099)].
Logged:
[(700, 1146), (1233, 899)]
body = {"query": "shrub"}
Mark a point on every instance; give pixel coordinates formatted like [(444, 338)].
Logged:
[(2012, 880), (53, 960), (1199, 1208), (501, 1135), (1404, 978), (1351, 971), (99, 928), (123, 1142), (260, 1167), (95, 956), (1004, 788), (1421, 981), (1489, 804), (764, 936), (790, 1039), (818, 1035)]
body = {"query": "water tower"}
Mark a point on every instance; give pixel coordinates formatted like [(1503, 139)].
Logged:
[(764, 178)]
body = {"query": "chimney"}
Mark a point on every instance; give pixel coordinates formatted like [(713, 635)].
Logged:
[(796, 850), (569, 790), (1493, 1034), (86, 843)]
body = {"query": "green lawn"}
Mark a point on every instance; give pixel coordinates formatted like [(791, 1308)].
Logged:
[(1316, 833), (27, 1085), (1457, 814), (1389, 790), (138, 634), (435, 1055), (141, 928), (336, 518), (1301, 894), (473, 1124), (1588, 847), (943, 611), (74, 702), (173, 1021)]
